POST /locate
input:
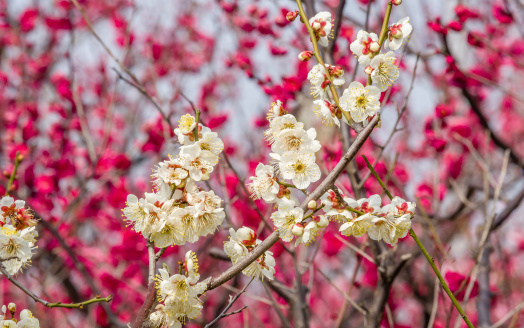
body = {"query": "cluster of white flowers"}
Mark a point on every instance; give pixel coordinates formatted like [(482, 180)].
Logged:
[(27, 320), (381, 67), (179, 211), (17, 234), (243, 241), (357, 102), (389, 222), (178, 294)]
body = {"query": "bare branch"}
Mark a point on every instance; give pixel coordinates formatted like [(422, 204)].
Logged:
[(233, 300)]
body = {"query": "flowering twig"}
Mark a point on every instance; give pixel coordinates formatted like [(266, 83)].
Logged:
[(289, 185), (233, 300), (47, 303), (18, 159), (316, 52), (425, 252)]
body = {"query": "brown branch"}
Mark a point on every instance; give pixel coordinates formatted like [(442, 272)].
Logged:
[(233, 300), (326, 184), (145, 310)]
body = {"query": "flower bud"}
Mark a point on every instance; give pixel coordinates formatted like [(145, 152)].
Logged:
[(305, 55), (316, 25), (291, 16), (336, 71), (298, 229), (397, 34), (247, 236), (368, 70), (396, 2), (322, 221), (12, 307), (312, 204), (374, 46)]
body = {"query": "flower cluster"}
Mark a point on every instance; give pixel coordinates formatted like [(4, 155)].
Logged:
[(243, 241), (17, 234), (367, 215), (27, 320), (179, 211), (178, 294)]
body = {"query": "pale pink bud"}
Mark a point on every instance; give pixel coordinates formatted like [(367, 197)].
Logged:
[(316, 25), (368, 70), (312, 204), (291, 16), (322, 221), (374, 46), (12, 307), (305, 55), (298, 229), (396, 2)]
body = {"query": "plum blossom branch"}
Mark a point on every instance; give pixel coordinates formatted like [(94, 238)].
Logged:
[(51, 304), (326, 184), (425, 252)]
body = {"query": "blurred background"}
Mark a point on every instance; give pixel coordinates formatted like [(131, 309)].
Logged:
[(90, 97)]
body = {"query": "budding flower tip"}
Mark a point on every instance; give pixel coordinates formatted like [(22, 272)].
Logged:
[(312, 204), (396, 2)]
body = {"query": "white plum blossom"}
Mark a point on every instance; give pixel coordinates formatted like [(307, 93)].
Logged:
[(277, 109), (210, 144), (170, 172), (18, 245), (27, 320), (322, 25), (169, 232), (327, 111), (185, 128), (364, 47), (361, 102), (179, 294), (385, 71), (146, 213), (197, 162), (263, 184), (319, 80), (300, 168), (312, 230), (9, 208), (403, 206), (286, 217), (397, 33), (240, 243), (279, 124), (296, 140), (357, 226)]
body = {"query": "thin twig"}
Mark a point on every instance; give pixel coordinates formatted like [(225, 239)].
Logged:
[(233, 300), (52, 304)]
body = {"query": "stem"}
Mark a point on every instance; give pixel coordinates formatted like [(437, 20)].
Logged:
[(370, 167), (80, 305), (382, 36), (195, 130), (314, 211), (351, 209), (442, 281), (384, 30), (18, 159), (289, 185), (313, 38), (425, 252)]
